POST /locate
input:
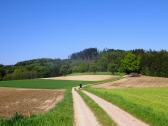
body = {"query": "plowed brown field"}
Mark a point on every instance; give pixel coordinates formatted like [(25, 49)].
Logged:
[(84, 77), (142, 81), (27, 101)]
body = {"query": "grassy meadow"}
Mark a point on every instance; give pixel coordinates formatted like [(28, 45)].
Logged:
[(42, 84), (148, 104)]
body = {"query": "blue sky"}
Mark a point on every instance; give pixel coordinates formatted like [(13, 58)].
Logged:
[(56, 28)]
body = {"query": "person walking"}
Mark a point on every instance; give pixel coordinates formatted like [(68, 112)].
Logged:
[(80, 86)]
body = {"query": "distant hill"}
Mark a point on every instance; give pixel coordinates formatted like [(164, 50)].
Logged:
[(147, 62)]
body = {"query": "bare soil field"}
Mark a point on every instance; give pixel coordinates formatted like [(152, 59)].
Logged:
[(84, 77), (27, 101), (142, 81)]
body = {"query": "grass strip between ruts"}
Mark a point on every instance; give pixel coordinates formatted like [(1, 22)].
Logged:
[(100, 114)]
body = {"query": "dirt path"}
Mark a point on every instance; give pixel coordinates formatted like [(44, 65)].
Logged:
[(121, 117), (83, 115)]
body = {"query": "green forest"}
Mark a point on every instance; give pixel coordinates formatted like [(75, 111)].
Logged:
[(146, 62)]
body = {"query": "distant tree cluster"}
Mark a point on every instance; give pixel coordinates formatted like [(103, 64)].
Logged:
[(130, 64), (87, 54), (152, 63), (37, 68)]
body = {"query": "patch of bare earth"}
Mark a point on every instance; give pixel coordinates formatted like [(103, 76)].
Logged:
[(27, 101), (142, 81), (84, 77)]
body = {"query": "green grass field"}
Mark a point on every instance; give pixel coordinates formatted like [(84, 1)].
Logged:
[(43, 84), (148, 104)]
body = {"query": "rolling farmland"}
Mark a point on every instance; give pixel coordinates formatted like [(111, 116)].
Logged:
[(84, 63), (148, 104)]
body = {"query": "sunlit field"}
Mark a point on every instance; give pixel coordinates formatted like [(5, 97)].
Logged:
[(148, 104)]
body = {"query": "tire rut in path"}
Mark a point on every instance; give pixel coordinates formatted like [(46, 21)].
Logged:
[(83, 115), (121, 117)]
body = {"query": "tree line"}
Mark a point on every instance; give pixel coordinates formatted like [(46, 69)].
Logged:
[(37, 68), (146, 62)]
